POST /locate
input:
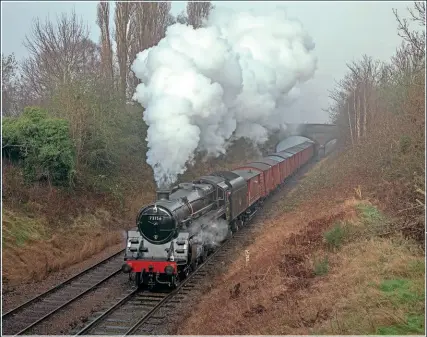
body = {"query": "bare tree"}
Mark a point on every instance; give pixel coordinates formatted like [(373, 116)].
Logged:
[(365, 75), (58, 54), (379, 108), (122, 36), (103, 21), (413, 37), (148, 26), (9, 85), (409, 61), (171, 20), (182, 18), (197, 11), (355, 96)]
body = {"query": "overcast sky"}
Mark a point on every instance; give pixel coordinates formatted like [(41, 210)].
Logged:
[(342, 32)]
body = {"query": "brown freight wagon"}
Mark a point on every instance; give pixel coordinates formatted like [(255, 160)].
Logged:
[(292, 161), (282, 166), (275, 168), (296, 152), (255, 182), (285, 164), (266, 173), (303, 152)]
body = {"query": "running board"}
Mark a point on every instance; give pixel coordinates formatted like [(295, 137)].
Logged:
[(250, 217)]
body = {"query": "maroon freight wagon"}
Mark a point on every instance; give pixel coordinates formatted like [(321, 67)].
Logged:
[(266, 173), (254, 180), (275, 169), (282, 166), (285, 164), (292, 160), (302, 153)]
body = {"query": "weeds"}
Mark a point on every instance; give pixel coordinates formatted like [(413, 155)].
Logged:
[(17, 230), (414, 324), (401, 291), (404, 293), (417, 267), (334, 237), (369, 213), (321, 267)]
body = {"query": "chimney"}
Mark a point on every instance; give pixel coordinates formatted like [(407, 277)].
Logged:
[(163, 194)]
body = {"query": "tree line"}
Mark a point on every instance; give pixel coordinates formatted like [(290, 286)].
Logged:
[(379, 108), (89, 84), (60, 52), (370, 83)]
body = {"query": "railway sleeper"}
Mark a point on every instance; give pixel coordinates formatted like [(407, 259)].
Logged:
[(145, 299), (101, 333), (190, 286), (154, 295), (117, 320), (116, 327)]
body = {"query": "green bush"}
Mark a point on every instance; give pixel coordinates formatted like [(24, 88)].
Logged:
[(321, 267), (335, 236), (42, 145)]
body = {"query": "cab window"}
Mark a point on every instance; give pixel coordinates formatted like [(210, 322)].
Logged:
[(220, 194)]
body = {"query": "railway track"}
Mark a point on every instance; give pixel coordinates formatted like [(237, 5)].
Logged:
[(138, 311), (25, 317), (142, 312)]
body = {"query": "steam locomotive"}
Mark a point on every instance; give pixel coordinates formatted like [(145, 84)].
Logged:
[(169, 240)]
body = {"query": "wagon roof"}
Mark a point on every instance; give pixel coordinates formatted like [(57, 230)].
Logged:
[(292, 150), (282, 154), (297, 148), (267, 161), (246, 173), (302, 145), (257, 166), (276, 158)]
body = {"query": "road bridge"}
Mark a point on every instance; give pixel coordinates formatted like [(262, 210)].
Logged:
[(320, 134)]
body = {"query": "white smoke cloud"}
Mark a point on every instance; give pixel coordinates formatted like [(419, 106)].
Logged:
[(234, 77), (210, 234)]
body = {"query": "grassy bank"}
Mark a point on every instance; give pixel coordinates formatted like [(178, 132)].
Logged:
[(48, 228), (329, 263)]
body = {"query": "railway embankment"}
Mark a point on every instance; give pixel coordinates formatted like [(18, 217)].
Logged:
[(51, 232), (331, 259)]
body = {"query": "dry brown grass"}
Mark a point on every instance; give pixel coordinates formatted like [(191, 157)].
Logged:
[(279, 266), (46, 229), (351, 290), (280, 293), (31, 249)]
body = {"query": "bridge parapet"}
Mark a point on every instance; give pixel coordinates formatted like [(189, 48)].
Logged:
[(319, 133)]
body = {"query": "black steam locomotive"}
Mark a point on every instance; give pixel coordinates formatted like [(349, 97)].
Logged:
[(168, 244), (179, 230)]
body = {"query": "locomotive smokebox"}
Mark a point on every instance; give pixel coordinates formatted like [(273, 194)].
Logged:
[(163, 194)]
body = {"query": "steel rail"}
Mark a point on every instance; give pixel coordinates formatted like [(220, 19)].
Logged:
[(38, 300)]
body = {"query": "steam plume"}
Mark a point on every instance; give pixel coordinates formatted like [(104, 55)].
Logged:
[(232, 78), (212, 234)]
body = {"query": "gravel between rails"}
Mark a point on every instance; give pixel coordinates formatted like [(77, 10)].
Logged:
[(27, 317), (166, 320), (140, 307), (79, 313), (14, 296)]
